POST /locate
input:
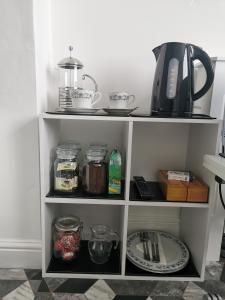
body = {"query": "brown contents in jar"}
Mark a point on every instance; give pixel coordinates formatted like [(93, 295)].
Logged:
[(95, 177)]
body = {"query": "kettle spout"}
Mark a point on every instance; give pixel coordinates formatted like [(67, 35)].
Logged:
[(156, 52)]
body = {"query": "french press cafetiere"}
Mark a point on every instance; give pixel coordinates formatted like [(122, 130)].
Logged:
[(69, 79)]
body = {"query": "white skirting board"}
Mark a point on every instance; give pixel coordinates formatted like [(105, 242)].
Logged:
[(20, 253)]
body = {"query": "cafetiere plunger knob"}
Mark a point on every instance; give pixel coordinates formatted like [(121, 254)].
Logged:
[(70, 49)]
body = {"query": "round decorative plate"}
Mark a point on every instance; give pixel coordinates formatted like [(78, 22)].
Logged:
[(174, 254)]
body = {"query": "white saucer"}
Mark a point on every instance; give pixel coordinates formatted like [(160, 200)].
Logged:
[(119, 111), (79, 111)]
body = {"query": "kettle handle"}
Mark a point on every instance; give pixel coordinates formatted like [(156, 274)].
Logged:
[(203, 57), (156, 51)]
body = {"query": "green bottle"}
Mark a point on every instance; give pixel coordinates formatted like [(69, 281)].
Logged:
[(115, 173)]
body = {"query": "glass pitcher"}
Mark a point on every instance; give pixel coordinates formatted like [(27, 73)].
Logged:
[(101, 242)]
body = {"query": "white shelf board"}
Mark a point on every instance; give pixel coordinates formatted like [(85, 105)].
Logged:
[(168, 204), (127, 119), (215, 164), (53, 200), (81, 275), (89, 201), (84, 117), (122, 277)]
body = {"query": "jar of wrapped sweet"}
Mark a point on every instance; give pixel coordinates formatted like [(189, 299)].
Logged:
[(66, 168), (66, 237)]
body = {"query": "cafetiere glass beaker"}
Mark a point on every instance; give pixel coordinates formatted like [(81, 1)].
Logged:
[(69, 79), (68, 68)]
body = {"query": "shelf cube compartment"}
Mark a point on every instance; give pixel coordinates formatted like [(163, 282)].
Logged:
[(188, 224), (111, 215), (172, 146), (55, 131)]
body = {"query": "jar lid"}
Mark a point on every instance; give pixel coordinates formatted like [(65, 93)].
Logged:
[(70, 62), (95, 154), (98, 146), (67, 223), (66, 153), (68, 145)]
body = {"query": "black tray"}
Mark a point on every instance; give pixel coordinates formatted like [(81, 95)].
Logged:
[(83, 263), (81, 194), (131, 115), (188, 271)]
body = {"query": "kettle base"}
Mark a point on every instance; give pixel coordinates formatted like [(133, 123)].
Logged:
[(169, 114)]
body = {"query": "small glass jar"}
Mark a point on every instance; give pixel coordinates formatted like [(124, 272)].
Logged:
[(66, 170), (66, 237), (94, 179)]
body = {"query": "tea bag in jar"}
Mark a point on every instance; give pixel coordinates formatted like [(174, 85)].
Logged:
[(66, 169)]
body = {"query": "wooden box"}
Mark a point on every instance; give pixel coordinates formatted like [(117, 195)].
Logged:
[(173, 190), (197, 191)]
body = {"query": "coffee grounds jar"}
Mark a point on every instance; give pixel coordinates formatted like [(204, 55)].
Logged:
[(94, 177), (66, 170), (66, 237)]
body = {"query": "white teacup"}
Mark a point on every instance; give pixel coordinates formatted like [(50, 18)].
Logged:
[(120, 100), (85, 98)]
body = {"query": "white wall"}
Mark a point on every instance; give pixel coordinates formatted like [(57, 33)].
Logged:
[(114, 39), (19, 176)]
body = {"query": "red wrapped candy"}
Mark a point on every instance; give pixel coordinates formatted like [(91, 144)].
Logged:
[(67, 256), (58, 245), (68, 241)]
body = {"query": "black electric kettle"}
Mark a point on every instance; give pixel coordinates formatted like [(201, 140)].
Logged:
[(173, 87)]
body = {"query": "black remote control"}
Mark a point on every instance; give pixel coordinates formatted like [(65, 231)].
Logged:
[(143, 188)]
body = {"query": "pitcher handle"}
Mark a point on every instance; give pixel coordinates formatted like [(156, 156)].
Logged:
[(92, 79), (131, 99), (115, 234)]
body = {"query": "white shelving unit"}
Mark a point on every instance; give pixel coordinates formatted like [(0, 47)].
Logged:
[(147, 145), (215, 164)]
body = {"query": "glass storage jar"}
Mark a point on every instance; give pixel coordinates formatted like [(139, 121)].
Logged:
[(66, 170), (66, 237), (94, 179)]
